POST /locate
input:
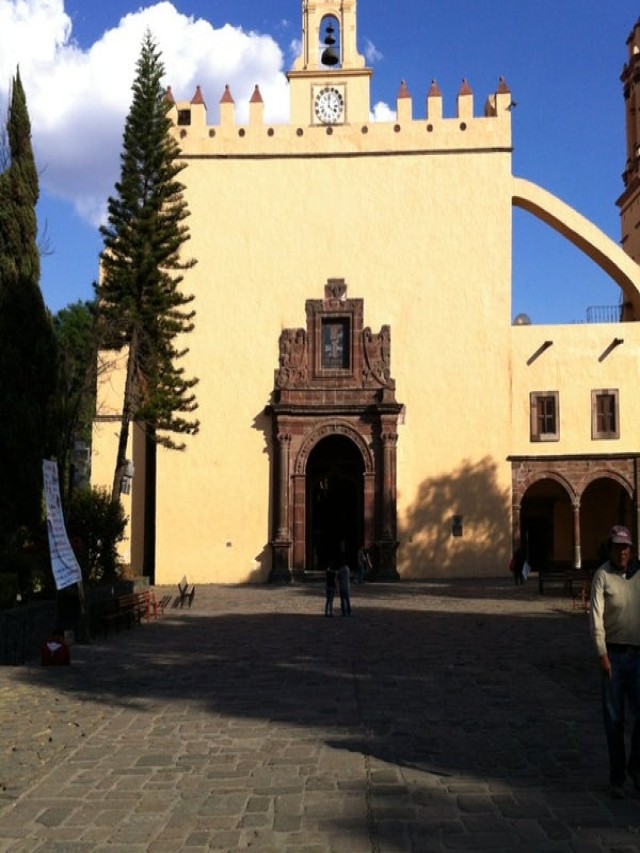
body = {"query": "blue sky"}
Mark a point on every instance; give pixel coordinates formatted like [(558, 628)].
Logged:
[(561, 60)]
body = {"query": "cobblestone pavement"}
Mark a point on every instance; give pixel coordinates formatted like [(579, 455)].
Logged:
[(443, 716)]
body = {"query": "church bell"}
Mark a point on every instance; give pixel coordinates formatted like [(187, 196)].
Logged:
[(329, 55)]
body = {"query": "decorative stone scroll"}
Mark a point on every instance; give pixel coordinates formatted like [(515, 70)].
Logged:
[(377, 356), (292, 372)]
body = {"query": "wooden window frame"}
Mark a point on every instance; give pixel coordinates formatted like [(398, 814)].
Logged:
[(536, 399), (598, 433)]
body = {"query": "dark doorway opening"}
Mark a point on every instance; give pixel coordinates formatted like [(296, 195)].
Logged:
[(335, 501)]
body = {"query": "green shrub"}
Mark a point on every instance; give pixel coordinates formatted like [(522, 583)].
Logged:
[(25, 557), (95, 526)]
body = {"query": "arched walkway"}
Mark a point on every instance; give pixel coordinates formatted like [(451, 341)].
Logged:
[(564, 507)]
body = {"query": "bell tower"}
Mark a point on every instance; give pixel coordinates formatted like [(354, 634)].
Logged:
[(329, 81), (629, 201)]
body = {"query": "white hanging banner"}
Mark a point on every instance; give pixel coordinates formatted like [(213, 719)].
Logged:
[(65, 566)]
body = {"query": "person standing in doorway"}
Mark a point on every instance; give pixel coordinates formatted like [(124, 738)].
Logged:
[(615, 629), (518, 566), (364, 563), (344, 587), (330, 589)]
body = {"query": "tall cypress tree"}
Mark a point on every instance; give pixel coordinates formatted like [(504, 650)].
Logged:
[(27, 341), (141, 305)]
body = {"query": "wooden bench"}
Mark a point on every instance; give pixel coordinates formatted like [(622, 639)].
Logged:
[(123, 611), (553, 576), (575, 583), (186, 591)]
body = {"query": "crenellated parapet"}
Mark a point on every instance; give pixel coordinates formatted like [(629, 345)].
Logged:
[(461, 131)]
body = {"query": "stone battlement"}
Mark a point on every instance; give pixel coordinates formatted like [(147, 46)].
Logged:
[(462, 132)]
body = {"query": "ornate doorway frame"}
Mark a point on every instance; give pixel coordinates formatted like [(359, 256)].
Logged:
[(333, 379)]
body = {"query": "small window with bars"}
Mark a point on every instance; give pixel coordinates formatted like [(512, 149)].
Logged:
[(545, 416), (605, 419)]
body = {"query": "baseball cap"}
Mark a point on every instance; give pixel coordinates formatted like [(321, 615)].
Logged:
[(620, 535)]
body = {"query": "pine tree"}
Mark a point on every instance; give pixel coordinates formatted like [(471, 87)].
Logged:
[(27, 342), (141, 305), (76, 337)]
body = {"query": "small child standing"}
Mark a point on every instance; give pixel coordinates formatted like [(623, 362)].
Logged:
[(330, 590)]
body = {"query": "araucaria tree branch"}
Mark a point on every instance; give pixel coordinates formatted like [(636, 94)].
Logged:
[(141, 304)]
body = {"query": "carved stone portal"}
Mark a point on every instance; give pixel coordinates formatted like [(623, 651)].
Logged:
[(334, 417)]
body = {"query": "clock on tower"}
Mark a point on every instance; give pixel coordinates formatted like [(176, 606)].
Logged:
[(329, 82)]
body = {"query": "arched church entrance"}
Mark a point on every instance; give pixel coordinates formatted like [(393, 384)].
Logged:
[(334, 418), (335, 503)]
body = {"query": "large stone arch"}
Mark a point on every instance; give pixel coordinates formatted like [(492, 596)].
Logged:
[(609, 474), (545, 474), (332, 426), (587, 237), (544, 519)]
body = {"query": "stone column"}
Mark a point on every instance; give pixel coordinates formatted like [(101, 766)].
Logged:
[(281, 568), (284, 446), (387, 545), (577, 548), (389, 441)]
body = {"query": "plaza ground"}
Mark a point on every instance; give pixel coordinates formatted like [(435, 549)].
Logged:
[(442, 716)]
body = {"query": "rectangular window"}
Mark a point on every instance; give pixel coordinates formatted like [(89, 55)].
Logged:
[(605, 421), (336, 344), (545, 416)]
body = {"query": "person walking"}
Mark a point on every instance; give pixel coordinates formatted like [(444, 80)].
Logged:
[(330, 590), (344, 586), (615, 629)]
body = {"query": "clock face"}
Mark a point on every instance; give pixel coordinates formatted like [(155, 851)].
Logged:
[(329, 105)]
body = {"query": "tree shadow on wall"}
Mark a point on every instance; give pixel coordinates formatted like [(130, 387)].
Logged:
[(427, 544)]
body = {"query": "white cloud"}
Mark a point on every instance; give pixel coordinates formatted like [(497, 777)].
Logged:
[(78, 99), (371, 52), (383, 112)]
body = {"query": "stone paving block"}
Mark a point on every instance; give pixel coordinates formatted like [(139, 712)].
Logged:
[(62, 846), (54, 816), (286, 822)]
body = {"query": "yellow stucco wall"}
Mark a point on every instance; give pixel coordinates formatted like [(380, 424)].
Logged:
[(416, 216), (580, 360), (276, 230)]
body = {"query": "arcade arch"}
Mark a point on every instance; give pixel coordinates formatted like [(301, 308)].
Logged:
[(563, 509)]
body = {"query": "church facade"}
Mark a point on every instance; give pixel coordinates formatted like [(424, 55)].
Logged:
[(361, 379)]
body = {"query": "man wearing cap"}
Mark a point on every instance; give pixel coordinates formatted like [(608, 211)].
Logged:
[(615, 628)]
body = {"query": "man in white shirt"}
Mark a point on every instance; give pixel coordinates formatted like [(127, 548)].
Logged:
[(615, 629)]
